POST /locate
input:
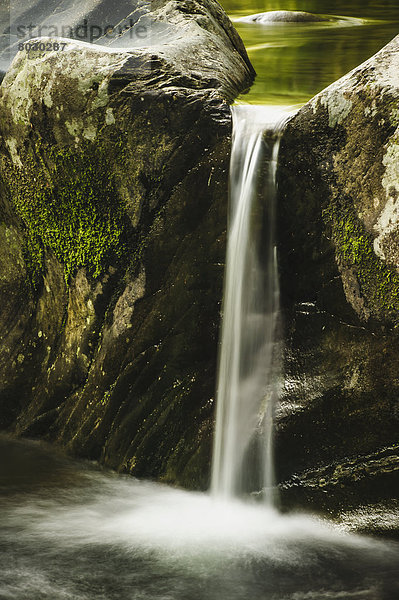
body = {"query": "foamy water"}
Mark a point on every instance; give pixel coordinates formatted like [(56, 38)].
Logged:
[(70, 532)]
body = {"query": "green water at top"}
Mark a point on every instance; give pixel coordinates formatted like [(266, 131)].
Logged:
[(294, 61)]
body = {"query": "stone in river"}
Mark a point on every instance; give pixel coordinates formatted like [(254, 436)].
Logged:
[(283, 16)]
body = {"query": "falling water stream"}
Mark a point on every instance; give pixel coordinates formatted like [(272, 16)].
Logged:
[(248, 363)]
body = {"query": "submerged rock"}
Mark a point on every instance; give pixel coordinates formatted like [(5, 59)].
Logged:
[(113, 167), (283, 16), (339, 223)]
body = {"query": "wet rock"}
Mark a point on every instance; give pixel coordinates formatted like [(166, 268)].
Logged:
[(283, 16), (338, 178), (376, 519), (113, 166)]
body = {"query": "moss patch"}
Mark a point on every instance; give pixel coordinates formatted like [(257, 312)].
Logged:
[(68, 203), (378, 282)]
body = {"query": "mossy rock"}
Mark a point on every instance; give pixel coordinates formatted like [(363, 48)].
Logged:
[(338, 182), (113, 167), (73, 209)]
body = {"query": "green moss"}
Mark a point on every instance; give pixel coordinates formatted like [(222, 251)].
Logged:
[(68, 202), (378, 282)]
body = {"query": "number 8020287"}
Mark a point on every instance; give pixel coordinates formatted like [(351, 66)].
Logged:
[(42, 46)]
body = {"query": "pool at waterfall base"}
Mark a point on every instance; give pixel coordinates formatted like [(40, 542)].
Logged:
[(70, 531)]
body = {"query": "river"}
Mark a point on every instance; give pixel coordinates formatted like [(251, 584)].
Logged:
[(296, 61)]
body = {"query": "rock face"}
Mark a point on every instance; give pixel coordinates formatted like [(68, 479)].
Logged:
[(339, 231), (113, 190), (283, 16)]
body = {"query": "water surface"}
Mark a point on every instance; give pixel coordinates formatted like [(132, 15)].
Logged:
[(295, 61), (69, 531)]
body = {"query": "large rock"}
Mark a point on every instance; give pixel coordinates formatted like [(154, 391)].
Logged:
[(113, 172), (283, 16), (339, 231)]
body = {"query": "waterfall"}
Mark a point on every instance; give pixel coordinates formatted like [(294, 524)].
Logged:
[(248, 370)]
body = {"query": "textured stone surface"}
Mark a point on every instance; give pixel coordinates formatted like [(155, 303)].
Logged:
[(113, 209), (339, 182)]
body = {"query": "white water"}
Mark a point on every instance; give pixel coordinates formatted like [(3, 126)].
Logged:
[(70, 533), (248, 372)]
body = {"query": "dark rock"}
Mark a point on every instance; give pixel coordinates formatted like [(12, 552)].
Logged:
[(114, 168), (338, 183)]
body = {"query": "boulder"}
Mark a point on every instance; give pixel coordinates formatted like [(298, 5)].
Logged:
[(339, 239), (283, 16), (113, 175)]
